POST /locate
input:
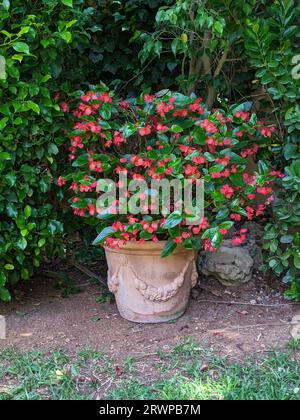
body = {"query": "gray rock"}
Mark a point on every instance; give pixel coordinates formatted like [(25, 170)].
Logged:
[(255, 231), (231, 265), (255, 252), (254, 240)]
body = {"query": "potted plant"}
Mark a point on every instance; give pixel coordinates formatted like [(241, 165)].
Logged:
[(115, 143)]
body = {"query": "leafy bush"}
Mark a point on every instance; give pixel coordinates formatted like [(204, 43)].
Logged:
[(173, 137), (272, 45), (105, 38), (42, 43), (33, 45), (207, 46), (282, 240)]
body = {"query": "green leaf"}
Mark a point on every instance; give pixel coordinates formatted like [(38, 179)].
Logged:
[(168, 248), (105, 111), (3, 279), (129, 130), (297, 260), (216, 168), (32, 105), (209, 157), (145, 235), (22, 244), (105, 233), (27, 212), (4, 295), (175, 45), (21, 47), (226, 225), (174, 219), (218, 27), (237, 180), (11, 210), (41, 242), (95, 318), (286, 239), (55, 226), (53, 149), (25, 274), (4, 156), (199, 136), (234, 157), (176, 129), (273, 263), (216, 239), (6, 4), (223, 213), (67, 2), (81, 160), (3, 123), (245, 107), (263, 168), (196, 243), (80, 204)]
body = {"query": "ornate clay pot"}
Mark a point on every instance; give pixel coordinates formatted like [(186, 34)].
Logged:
[(149, 288)]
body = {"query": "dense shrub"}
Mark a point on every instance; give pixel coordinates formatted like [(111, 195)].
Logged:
[(217, 50), (108, 51), (206, 44), (166, 137), (34, 42), (282, 240), (273, 46), (51, 48)]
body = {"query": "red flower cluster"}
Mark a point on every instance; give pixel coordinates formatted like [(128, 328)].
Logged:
[(171, 137)]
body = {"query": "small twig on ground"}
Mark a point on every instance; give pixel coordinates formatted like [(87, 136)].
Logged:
[(54, 275), (49, 273), (221, 302), (109, 385), (88, 272), (208, 289), (263, 351), (105, 382), (142, 356), (238, 327)]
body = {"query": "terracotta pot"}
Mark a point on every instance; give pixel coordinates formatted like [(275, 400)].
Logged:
[(149, 288)]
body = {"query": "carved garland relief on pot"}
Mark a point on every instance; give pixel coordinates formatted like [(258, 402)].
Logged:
[(152, 293)]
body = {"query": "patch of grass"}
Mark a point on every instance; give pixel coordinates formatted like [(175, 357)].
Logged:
[(294, 344), (192, 372), (105, 297), (187, 372), (32, 376)]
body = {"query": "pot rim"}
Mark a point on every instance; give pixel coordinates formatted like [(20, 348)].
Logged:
[(147, 248)]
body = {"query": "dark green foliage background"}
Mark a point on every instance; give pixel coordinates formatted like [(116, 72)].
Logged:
[(52, 47)]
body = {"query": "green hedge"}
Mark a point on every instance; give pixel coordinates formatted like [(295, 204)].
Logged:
[(51, 48), (30, 122), (273, 46)]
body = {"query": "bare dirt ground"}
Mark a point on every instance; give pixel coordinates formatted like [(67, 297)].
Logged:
[(40, 318)]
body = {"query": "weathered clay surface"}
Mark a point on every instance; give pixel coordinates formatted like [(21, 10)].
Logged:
[(149, 288), (232, 266)]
